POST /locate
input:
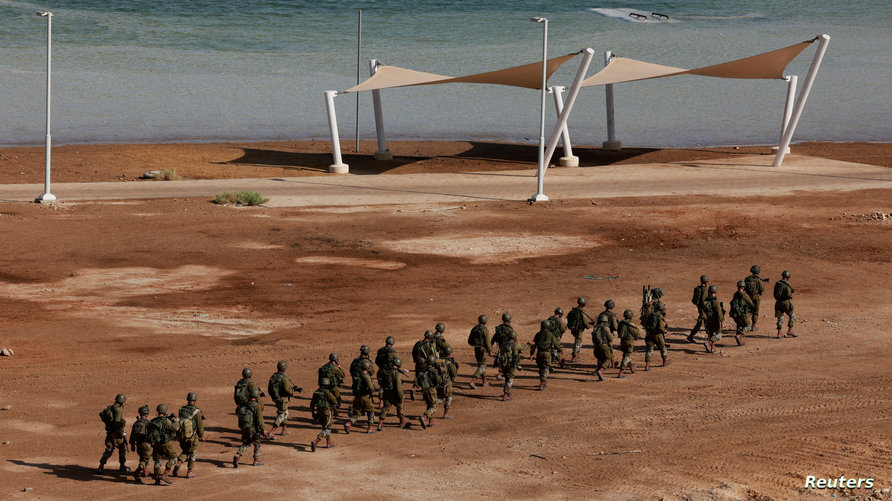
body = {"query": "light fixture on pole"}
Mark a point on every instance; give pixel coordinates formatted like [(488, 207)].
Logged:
[(540, 196), (47, 196)]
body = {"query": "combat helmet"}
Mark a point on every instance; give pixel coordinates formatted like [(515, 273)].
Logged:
[(431, 359), (161, 409), (333, 357), (247, 373), (255, 392), (741, 284), (545, 324), (428, 334), (755, 269), (628, 314), (281, 366), (144, 410), (659, 306), (120, 398), (713, 289), (191, 396), (365, 364), (512, 336), (785, 274), (482, 319), (506, 317), (657, 292), (448, 351), (704, 279), (603, 319), (397, 362), (558, 311), (390, 340), (609, 304), (364, 349), (441, 327), (580, 301)]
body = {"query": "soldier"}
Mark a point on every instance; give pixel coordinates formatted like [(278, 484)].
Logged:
[(335, 374), (391, 384), (613, 325), (479, 340), (440, 343), (628, 333), (162, 431), (754, 290), (655, 332), (281, 389), (139, 442), (428, 380), (386, 354), (783, 304), (544, 343), (508, 361), (250, 422), (115, 433), (699, 297), (423, 348), (578, 321), (322, 406), (741, 307), (444, 389), (363, 389), (243, 389), (649, 298), (501, 336), (190, 432), (715, 319), (602, 341), (356, 371), (558, 328), (451, 367)]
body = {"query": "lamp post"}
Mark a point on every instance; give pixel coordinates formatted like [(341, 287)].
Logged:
[(47, 196), (540, 196)]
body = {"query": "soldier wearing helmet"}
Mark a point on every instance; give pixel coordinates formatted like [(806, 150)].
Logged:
[(479, 340), (655, 335), (115, 433), (699, 299), (602, 341), (243, 389), (139, 442), (543, 346), (422, 349), (190, 433), (508, 362), (578, 321), (363, 389), (335, 374), (558, 327), (741, 308), (754, 288), (250, 422), (322, 407), (612, 321), (356, 369), (440, 342), (500, 336), (391, 384), (281, 389), (162, 432), (715, 319), (783, 304), (628, 333), (428, 379), (385, 355)]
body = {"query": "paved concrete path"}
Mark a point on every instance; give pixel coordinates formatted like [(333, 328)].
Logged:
[(738, 176)]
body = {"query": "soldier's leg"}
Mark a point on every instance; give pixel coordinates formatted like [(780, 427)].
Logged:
[(701, 319), (121, 445), (664, 350), (577, 345), (257, 448), (648, 354), (755, 316), (779, 314)]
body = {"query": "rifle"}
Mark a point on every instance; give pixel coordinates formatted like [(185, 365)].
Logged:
[(295, 389)]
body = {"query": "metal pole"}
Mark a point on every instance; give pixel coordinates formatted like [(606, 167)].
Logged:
[(788, 105), (358, 52), (611, 144), (571, 100), (540, 195), (800, 102), (568, 160), (383, 153), (47, 196), (338, 167)]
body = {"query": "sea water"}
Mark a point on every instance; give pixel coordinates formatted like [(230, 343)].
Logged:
[(167, 70)]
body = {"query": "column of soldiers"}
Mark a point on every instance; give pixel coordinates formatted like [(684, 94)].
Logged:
[(435, 374)]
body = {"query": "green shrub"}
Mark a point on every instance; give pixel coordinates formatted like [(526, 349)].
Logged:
[(167, 175), (240, 198)]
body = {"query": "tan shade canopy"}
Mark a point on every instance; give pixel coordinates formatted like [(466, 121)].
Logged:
[(766, 65), (528, 76)]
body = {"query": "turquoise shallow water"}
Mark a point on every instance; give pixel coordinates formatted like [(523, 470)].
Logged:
[(176, 71)]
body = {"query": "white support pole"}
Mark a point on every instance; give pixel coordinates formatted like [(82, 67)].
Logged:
[(47, 196), (338, 167), (571, 100), (788, 107), (568, 160), (611, 144), (383, 153), (800, 102)]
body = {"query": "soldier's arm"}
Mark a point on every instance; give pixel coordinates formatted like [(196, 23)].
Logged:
[(199, 428), (486, 344)]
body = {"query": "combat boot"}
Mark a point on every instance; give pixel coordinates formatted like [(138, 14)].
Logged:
[(190, 474), (779, 329), (739, 339), (347, 427), (647, 366), (270, 432), (690, 338), (176, 469), (483, 381), (313, 445), (542, 386), (329, 443), (423, 424), (561, 362), (164, 477), (600, 374), (505, 397), (123, 468), (284, 430), (632, 368), (371, 429), (706, 345), (621, 375), (137, 475), (258, 462), (574, 359), (381, 424), (667, 362), (471, 385), (235, 460), (790, 333), (101, 469), (447, 414)]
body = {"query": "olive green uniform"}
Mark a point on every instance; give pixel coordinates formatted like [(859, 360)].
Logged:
[(189, 444), (336, 375), (628, 333), (282, 385), (479, 340), (783, 303), (420, 352), (251, 427), (428, 379), (440, 344), (444, 389), (391, 384), (602, 341), (613, 325), (578, 321), (356, 382), (322, 406), (754, 289), (508, 361), (363, 389), (249, 385), (698, 300), (655, 333), (115, 435), (385, 356), (715, 317), (742, 306), (558, 328), (139, 442), (544, 344), (164, 448)]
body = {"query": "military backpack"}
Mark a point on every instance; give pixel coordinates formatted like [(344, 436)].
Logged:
[(319, 401), (782, 291), (505, 358), (188, 425), (386, 380), (140, 429), (107, 416), (158, 432), (739, 306), (240, 393), (245, 415), (576, 320), (653, 322), (274, 387), (699, 296), (752, 285)]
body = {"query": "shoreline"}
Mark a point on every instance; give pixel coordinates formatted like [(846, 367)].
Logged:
[(262, 159)]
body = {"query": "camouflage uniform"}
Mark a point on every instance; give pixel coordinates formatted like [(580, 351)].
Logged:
[(280, 389), (479, 340), (544, 343), (613, 325), (715, 318), (356, 381), (322, 405), (699, 297), (363, 389), (578, 321), (428, 380), (249, 385), (391, 384), (115, 433), (385, 356), (502, 331), (655, 332), (602, 341), (162, 447), (741, 307), (444, 389), (139, 442), (628, 333), (251, 426), (558, 327), (754, 289), (332, 370), (783, 304), (421, 351), (509, 358), (189, 441)]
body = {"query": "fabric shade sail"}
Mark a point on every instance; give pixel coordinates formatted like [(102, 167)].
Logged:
[(528, 76), (767, 65)]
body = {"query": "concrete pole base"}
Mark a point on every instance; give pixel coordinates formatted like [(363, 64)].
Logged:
[(339, 169), (569, 161), (46, 198), (538, 197), (611, 145), (775, 148), (383, 155)]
